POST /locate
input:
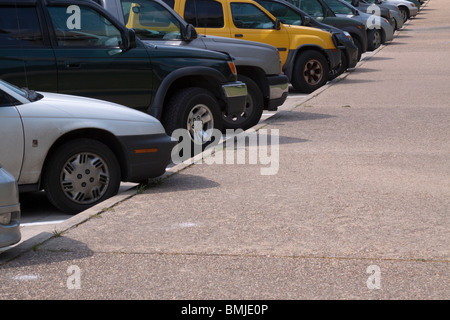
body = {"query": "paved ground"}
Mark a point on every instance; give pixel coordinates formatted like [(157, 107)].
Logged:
[(358, 207)]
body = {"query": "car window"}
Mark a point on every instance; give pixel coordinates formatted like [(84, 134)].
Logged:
[(4, 100), (19, 26), (311, 7), (339, 7), (204, 13), (83, 26), (248, 16), (150, 20), (283, 13)]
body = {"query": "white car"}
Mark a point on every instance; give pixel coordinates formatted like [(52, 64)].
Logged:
[(77, 149), (407, 8)]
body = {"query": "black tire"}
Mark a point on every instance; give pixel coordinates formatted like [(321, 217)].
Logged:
[(374, 39), (80, 174), (404, 14), (311, 71), (183, 109), (253, 109)]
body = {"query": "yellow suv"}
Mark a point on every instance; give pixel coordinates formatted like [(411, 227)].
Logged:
[(308, 54)]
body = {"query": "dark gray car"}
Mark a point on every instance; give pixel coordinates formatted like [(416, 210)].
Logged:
[(9, 210)]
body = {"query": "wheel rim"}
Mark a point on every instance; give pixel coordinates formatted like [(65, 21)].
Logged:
[(85, 178), (404, 15), (200, 124), (313, 72), (376, 39)]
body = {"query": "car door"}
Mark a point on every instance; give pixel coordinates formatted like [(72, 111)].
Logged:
[(250, 22), (12, 136), (26, 56), (90, 59)]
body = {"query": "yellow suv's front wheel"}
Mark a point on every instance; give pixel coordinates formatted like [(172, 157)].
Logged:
[(310, 71)]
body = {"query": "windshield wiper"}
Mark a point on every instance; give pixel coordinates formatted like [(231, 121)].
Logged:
[(32, 95)]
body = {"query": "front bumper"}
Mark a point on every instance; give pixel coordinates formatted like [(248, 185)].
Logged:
[(278, 91), (9, 210), (334, 58), (235, 94), (10, 233), (413, 11), (146, 156)]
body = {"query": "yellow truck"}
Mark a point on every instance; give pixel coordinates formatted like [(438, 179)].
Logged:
[(307, 54)]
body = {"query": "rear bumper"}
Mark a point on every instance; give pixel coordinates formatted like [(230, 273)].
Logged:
[(146, 156), (278, 91), (235, 94)]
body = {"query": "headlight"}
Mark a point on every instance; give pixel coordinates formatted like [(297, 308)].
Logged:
[(5, 218), (348, 35)]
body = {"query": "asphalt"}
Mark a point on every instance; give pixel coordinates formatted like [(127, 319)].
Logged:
[(355, 204)]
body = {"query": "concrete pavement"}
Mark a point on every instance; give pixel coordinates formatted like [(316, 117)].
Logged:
[(358, 208)]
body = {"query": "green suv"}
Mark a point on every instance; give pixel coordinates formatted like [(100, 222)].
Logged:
[(76, 47)]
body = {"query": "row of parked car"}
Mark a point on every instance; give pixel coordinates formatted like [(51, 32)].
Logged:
[(92, 90)]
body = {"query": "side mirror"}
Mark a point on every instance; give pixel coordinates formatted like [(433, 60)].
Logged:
[(130, 40), (306, 20), (190, 33), (355, 12), (277, 24)]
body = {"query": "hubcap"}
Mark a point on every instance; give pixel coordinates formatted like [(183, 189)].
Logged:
[(85, 178), (313, 72), (200, 124)]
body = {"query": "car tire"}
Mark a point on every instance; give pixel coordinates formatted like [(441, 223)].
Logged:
[(374, 39), (311, 71), (404, 14), (187, 106), (253, 109), (80, 174)]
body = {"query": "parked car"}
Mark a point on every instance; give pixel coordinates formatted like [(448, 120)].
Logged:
[(258, 64), (289, 14), (395, 11), (319, 10), (307, 54), (48, 47), (407, 8), (381, 11), (77, 149), (377, 34), (9, 209)]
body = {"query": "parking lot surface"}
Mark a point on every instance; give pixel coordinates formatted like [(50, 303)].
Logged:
[(355, 206)]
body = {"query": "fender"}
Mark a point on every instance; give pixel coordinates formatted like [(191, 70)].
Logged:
[(156, 107)]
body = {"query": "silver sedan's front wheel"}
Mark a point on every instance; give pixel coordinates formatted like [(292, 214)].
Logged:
[(80, 174), (84, 178)]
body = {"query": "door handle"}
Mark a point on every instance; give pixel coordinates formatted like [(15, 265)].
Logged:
[(72, 65), (239, 35)]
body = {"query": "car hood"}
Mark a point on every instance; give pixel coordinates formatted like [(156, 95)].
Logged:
[(54, 105)]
